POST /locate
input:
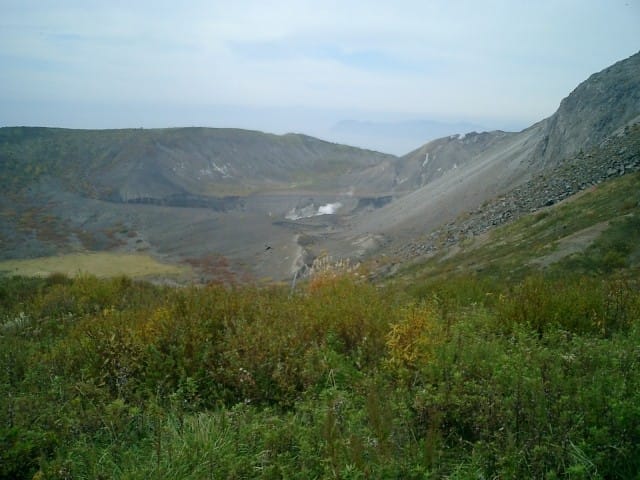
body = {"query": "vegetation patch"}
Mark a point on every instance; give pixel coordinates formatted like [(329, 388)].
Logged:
[(607, 217), (463, 378), (217, 269), (101, 264)]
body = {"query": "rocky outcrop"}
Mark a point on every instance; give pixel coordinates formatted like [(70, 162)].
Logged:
[(606, 101)]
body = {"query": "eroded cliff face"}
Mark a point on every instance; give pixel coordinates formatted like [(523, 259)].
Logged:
[(605, 102)]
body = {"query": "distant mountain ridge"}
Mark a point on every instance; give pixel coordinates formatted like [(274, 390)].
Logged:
[(397, 137), (135, 164)]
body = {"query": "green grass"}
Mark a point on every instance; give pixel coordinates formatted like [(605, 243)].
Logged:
[(111, 378), (513, 251)]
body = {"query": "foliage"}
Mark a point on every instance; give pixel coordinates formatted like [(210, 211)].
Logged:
[(339, 379)]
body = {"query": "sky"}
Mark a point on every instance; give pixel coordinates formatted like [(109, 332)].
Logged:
[(301, 66)]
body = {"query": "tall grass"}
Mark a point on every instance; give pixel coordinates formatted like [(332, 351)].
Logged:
[(342, 379)]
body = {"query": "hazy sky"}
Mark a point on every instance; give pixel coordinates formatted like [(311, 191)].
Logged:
[(301, 65)]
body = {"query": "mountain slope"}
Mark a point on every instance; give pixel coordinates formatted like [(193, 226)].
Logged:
[(595, 234), (432, 160), (599, 106), (593, 174), (605, 102), (449, 176), (132, 164), (195, 195), (461, 177)]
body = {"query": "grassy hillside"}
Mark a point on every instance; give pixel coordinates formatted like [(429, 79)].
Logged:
[(459, 378), (594, 233)]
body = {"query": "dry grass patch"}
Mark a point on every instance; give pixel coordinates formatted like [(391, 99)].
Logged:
[(100, 264)]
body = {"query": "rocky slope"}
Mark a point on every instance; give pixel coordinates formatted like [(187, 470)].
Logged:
[(615, 156), (456, 174), (434, 159), (605, 102)]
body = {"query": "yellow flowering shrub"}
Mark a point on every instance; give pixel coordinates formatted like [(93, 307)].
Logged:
[(411, 341)]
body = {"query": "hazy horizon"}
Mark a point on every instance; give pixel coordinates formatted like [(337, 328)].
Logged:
[(301, 66)]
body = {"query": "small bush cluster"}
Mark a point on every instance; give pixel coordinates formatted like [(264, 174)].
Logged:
[(338, 379)]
